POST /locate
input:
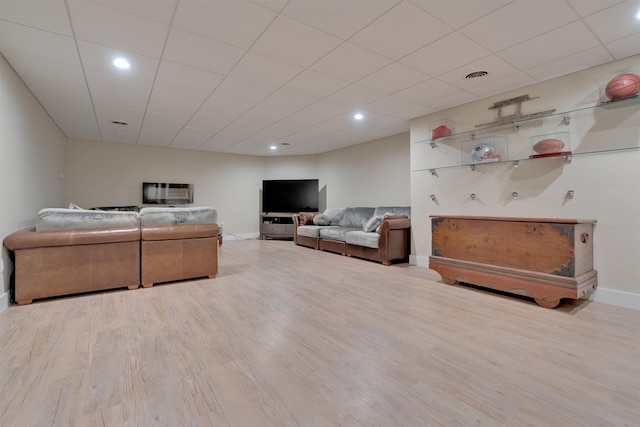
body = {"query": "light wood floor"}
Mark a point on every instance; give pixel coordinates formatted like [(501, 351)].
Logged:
[(289, 336)]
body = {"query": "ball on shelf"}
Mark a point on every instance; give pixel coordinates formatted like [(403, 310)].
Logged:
[(547, 146), (623, 86)]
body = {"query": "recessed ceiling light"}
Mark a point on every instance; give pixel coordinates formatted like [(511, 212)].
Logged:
[(638, 15), (476, 74), (121, 63), (273, 147), (358, 116)]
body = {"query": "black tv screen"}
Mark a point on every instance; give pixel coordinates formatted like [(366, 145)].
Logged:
[(290, 195)]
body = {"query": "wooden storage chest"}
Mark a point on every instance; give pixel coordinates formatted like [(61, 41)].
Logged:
[(546, 259)]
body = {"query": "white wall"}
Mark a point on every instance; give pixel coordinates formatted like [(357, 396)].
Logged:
[(111, 174), (606, 185), (32, 150), (375, 173)]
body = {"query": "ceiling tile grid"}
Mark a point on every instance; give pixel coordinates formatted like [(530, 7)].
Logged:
[(239, 76)]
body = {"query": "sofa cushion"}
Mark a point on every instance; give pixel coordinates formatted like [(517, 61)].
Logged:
[(393, 210), (335, 233), (321, 219), (334, 215), (173, 216), (356, 217), (373, 223), (312, 230), (52, 219), (363, 238)]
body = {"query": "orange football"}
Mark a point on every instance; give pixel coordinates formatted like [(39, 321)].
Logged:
[(547, 146)]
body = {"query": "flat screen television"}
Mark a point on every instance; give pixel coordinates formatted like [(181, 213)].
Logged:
[(160, 193), (290, 195)]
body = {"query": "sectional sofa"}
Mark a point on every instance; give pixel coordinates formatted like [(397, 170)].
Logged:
[(73, 251), (379, 234)]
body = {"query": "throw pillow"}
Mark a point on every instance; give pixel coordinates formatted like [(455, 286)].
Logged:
[(320, 219), (372, 224), (305, 218)]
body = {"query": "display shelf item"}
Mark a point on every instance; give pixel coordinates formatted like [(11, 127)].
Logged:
[(550, 145), (441, 129), (484, 150)]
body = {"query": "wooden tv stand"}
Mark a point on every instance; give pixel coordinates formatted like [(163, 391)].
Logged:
[(545, 259)]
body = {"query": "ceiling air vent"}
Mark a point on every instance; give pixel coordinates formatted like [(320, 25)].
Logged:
[(476, 74)]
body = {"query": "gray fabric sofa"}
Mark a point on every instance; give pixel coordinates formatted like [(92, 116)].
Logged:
[(379, 234)]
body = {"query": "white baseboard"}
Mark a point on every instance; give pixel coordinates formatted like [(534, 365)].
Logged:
[(4, 301), (241, 236), (603, 295)]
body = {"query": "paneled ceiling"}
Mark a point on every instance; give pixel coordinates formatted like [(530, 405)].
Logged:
[(237, 76)]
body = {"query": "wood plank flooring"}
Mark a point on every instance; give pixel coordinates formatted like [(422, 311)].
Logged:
[(289, 336)]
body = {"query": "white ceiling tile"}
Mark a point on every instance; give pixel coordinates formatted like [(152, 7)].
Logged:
[(216, 113), (588, 7), (413, 112), (287, 99), (175, 101), (159, 129), (355, 95), (105, 88), (579, 61), (294, 42), (75, 118), (264, 70), (38, 43), (186, 77), (503, 84), (624, 47), (50, 79), (108, 113), (119, 133), (426, 91), (338, 17), (495, 66), (389, 105), (448, 53), (500, 29), (350, 62), (219, 20), (297, 121), (615, 22), (199, 52), (315, 84), (459, 13), (325, 109), (553, 45), (242, 89), (94, 22), (452, 100), (48, 15), (275, 5), (392, 78), (187, 140), (100, 58), (154, 10), (402, 30), (263, 115)]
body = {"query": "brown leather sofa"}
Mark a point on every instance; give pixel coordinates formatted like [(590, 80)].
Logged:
[(178, 252), (380, 234), (65, 262), (73, 251)]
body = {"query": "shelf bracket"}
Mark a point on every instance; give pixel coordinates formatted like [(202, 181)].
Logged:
[(516, 163), (566, 120), (568, 158), (516, 128), (473, 167), (433, 144), (433, 172)]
